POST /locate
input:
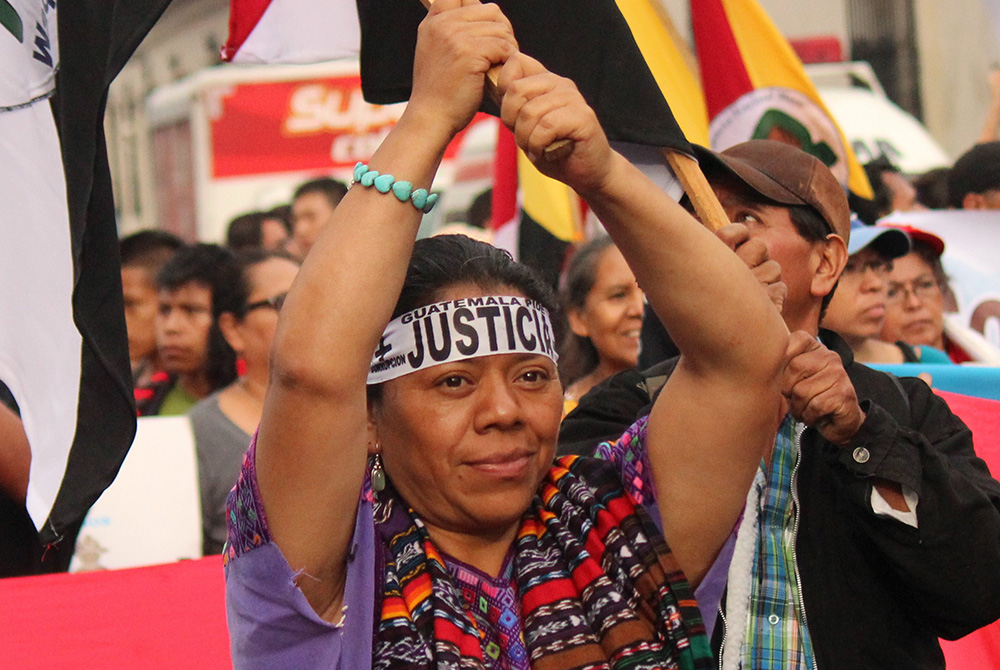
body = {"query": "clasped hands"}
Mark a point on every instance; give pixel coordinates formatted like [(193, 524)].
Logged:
[(815, 384), (461, 40), (457, 44)]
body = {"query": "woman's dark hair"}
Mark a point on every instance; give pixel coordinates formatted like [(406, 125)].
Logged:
[(577, 355), (928, 255), (216, 268), (443, 261), (237, 299)]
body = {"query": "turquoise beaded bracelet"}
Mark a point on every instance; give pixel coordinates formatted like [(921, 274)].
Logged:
[(403, 190)]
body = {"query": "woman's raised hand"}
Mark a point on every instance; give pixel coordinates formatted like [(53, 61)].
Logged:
[(457, 43), (541, 108)]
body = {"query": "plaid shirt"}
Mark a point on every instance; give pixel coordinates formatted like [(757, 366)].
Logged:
[(776, 634), (774, 596)]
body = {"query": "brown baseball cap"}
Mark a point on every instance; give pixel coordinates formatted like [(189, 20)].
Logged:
[(784, 174)]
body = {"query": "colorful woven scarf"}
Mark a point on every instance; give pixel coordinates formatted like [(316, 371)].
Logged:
[(598, 586)]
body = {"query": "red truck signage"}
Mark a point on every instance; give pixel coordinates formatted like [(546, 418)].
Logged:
[(296, 126)]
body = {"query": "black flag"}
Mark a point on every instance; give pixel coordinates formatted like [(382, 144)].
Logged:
[(587, 41), (95, 39)]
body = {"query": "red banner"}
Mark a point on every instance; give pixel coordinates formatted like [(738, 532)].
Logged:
[(158, 618), (296, 126)]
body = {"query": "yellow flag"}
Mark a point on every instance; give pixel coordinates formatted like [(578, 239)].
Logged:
[(672, 64), (550, 203), (755, 87)]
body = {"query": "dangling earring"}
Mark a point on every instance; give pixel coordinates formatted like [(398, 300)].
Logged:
[(378, 475)]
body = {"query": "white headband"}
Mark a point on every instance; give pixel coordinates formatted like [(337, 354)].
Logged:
[(455, 330)]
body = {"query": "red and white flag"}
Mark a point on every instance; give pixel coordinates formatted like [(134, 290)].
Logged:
[(292, 31)]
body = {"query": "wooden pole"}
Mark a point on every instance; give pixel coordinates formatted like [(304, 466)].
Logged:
[(706, 205)]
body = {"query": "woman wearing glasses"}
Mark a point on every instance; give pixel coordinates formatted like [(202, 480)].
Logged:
[(917, 288), (223, 421)]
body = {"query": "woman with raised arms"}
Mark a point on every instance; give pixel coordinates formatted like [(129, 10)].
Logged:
[(402, 509)]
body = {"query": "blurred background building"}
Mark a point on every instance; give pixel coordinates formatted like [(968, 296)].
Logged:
[(932, 59)]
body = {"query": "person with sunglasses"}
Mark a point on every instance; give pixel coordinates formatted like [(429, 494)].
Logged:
[(223, 422)]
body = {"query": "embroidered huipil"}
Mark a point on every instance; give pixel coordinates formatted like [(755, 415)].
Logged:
[(776, 633), (629, 453), (493, 603)]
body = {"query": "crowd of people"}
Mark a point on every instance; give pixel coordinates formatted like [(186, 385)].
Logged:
[(429, 471), (666, 460)]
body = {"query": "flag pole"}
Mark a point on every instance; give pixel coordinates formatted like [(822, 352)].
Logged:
[(693, 180), (686, 168)]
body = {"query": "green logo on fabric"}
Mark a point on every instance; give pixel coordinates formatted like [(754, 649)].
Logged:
[(776, 124), (11, 20)]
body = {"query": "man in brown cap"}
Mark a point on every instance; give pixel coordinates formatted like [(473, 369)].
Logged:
[(872, 528)]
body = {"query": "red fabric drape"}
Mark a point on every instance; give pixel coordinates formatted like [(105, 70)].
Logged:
[(157, 618)]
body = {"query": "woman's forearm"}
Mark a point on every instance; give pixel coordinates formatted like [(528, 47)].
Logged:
[(349, 283), (719, 316)]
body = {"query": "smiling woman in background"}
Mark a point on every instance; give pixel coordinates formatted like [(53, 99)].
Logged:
[(603, 306)]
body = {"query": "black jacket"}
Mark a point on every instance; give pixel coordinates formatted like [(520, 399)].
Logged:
[(877, 593)]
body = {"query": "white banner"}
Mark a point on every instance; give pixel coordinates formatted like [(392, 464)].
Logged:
[(151, 513), (29, 51)]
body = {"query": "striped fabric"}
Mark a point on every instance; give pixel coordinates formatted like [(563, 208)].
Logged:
[(776, 635), (598, 586), (629, 454)]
